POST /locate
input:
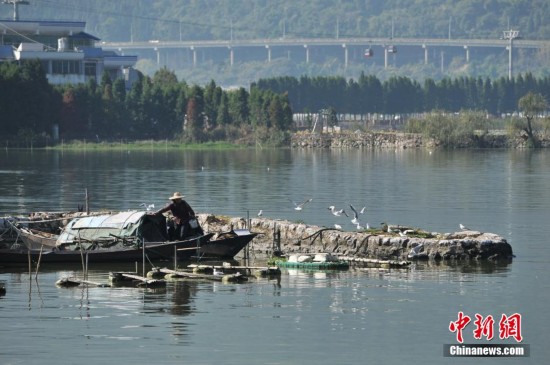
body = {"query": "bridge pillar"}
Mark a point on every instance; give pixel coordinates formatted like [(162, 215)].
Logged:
[(307, 53), (345, 55), (385, 57), (268, 53), (158, 55), (231, 56), (467, 54), (194, 51), (425, 54)]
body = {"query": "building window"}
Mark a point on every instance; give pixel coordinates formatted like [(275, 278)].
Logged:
[(90, 69), (66, 67)]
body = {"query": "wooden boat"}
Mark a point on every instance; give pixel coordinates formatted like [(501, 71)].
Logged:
[(127, 237), (35, 239), (197, 247)]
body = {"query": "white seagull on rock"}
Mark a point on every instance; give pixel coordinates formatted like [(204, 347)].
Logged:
[(337, 226), (300, 206), (260, 213), (463, 227), (415, 251)]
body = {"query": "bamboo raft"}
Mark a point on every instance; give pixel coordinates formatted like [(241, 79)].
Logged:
[(132, 278), (385, 264), (328, 265), (225, 278)]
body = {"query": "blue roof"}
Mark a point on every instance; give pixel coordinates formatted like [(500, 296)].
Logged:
[(6, 52), (84, 35), (48, 23), (92, 52)]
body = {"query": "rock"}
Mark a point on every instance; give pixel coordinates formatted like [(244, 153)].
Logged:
[(299, 239)]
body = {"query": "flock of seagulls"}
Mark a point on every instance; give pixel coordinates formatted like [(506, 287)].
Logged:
[(356, 218), (299, 206)]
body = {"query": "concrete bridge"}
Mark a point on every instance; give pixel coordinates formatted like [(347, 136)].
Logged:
[(365, 47)]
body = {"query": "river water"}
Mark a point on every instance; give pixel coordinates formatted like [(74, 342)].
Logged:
[(355, 316)]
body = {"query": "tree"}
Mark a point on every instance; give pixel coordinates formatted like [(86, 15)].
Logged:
[(238, 106), (531, 105), (165, 77)]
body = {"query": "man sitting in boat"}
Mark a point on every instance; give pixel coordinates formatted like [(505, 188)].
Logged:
[(184, 223)]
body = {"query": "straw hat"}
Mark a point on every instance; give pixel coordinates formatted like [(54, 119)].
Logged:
[(177, 195)]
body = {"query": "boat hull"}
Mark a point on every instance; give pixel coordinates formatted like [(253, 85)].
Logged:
[(185, 250)]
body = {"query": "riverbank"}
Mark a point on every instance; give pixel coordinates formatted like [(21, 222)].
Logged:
[(401, 140), (411, 244), (346, 139)]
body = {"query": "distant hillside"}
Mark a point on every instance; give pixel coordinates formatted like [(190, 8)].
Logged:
[(207, 19), (126, 20)]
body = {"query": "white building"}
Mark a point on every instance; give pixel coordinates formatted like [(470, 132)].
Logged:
[(67, 52)]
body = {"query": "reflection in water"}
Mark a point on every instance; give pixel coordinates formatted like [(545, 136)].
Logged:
[(184, 292)]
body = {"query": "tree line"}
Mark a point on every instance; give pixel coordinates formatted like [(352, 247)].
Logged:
[(162, 108), (158, 107), (400, 95)]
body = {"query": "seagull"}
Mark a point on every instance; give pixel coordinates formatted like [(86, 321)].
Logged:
[(463, 227), (362, 210), (148, 207), (355, 214), (360, 227), (402, 234), (337, 212), (300, 206), (260, 213), (415, 251), (337, 226)]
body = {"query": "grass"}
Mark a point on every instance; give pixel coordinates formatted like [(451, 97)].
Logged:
[(142, 146)]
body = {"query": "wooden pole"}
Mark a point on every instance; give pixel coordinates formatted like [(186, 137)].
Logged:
[(38, 264), (143, 259), (30, 266), (81, 256), (87, 201)]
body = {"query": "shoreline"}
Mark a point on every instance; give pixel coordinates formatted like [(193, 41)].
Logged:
[(396, 139), (380, 139)]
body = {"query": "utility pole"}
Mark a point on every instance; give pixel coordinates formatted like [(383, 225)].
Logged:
[(16, 4), (510, 35)]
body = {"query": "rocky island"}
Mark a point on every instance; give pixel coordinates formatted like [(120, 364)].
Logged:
[(394, 243)]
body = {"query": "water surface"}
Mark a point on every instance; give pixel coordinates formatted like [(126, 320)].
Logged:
[(354, 316)]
